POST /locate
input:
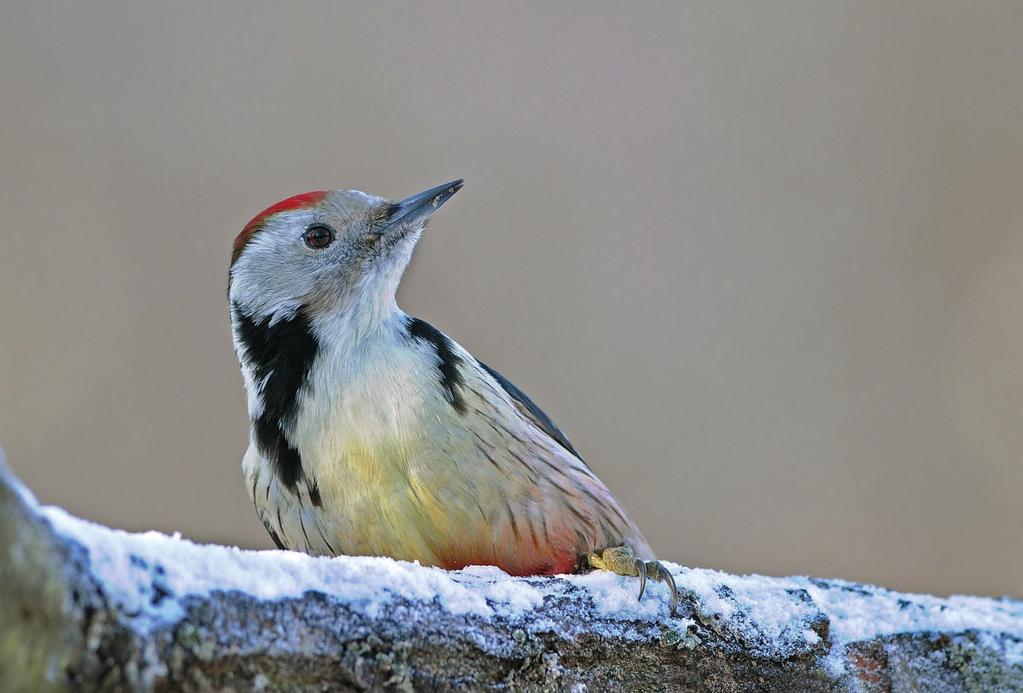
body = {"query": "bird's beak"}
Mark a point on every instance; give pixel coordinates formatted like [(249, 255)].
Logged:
[(420, 206)]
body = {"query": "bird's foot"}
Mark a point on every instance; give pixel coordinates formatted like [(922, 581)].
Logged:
[(621, 560)]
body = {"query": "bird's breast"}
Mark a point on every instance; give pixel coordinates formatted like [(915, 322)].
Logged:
[(375, 440), (361, 420)]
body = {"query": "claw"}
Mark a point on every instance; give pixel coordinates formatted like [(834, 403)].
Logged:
[(620, 560), (664, 575), (641, 569)]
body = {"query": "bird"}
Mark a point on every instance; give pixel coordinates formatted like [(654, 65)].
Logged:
[(373, 433)]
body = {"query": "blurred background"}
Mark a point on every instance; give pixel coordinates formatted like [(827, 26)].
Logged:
[(763, 263)]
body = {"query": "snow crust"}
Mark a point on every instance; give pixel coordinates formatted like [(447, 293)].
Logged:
[(149, 574)]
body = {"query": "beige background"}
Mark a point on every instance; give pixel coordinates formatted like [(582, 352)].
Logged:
[(762, 261)]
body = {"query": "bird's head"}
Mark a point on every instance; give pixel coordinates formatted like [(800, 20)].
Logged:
[(328, 252)]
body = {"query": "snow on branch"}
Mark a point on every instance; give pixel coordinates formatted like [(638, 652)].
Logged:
[(87, 607)]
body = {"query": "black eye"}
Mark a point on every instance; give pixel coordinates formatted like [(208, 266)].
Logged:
[(318, 236)]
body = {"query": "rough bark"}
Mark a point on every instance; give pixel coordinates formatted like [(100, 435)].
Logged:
[(62, 627)]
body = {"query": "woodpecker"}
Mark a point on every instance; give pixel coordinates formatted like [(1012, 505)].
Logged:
[(374, 433)]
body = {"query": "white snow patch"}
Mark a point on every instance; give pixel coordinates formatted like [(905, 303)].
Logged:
[(858, 612), (862, 613), (150, 573), (136, 567)]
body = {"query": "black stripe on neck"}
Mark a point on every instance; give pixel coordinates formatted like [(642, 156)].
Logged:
[(281, 356), (448, 361)]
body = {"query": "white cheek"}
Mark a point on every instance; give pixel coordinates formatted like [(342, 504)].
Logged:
[(264, 285)]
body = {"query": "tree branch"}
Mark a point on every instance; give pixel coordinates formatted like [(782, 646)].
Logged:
[(86, 607)]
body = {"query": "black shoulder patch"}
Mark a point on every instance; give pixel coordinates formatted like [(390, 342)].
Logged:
[(534, 412), (448, 361), (281, 356)]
